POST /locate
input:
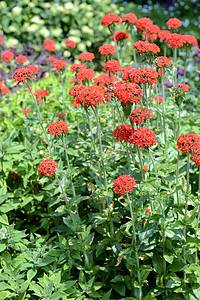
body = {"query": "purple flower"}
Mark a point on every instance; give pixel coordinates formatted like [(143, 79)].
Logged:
[(168, 83), (181, 72)]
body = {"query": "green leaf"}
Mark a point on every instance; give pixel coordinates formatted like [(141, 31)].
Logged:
[(2, 247), (119, 288), (169, 257), (4, 295), (4, 219), (31, 274), (107, 295), (157, 263)]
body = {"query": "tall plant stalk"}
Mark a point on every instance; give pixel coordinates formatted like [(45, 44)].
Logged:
[(163, 108)]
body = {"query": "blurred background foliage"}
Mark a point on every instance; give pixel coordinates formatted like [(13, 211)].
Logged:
[(25, 21)]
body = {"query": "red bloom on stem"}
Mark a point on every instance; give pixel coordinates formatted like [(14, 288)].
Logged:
[(7, 56), (40, 94), (4, 90), (1, 40), (145, 168), (21, 58), (143, 137), (129, 18), (22, 74), (59, 64), (175, 40), (151, 33), (164, 34), (182, 87), (87, 96), (140, 115), (127, 92), (190, 39), (124, 184), (76, 67), (61, 115), (148, 75), (122, 132), (85, 74), (147, 211), (109, 19), (69, 43), (26, 111), (51, 58), (86, 56), (105, 79), (120, 35), (158, 99), (107, 49), (76, 90), (162, 61), (143, 23), (147, 47), (58, 127), (189, 142), (112, 66), (174, 23), (47, 167), (49, 45), (130, 74)]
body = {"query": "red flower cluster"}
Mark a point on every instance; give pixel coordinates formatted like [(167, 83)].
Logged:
[(105, 79), (143, 23), (59, 64), (182, 87), (112, 66), (158, 99), (148, 75), (143, 137), (47, 167), (86, 56), (85, 74), (130, 74), (7, 56), (127, 92), (164, 34), (122, 132), (129, 18), (189, 142), (124, 184), (76, 67), (58, 127), (49, 45), (21, 58), (22, 74), (69, 43), (174, 23), (61, 115), (147, 47), (109, 19), (51, 58), (140, 115), (4, 90), (87, 96), (107, 49), (162, 61), (1, 40), (151, 32), (40, 94), (190, 39), (175, 40), (120, 35), (26, 111)]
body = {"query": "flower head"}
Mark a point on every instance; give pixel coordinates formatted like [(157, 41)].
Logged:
[(109, 19), (174, 23), (122, 132), (124, 184), (157, 98), (23, 74), (145, 46), (69, 43), (40, 94), (120, 36), (107, 49), (175, 40), (189, 142), (140, 115), (148, 75), (58, 127), (87, 96), (7, 56), (127, 92), (49, 45), (21, 58), (129, 18), (76, 67), (163, 34), (59, 64), (85, 74), (162, 61), (26, 111), (190, 40), (86, 56), (143, 137), (47, 167), (51, 58), (143, 23), (1, 40), (104, 80), (112, 66)]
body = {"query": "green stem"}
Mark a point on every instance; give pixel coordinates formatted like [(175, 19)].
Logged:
[(174, 67), (152, 160), (196, 234), (163, 107), (134, 241), (60, 185), (128, 156), (177, 169), (63, 95), (68, 166), (141, 162), (116, 46)]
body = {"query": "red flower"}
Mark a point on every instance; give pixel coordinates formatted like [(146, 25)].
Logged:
[(7, 56), (58, 127), (88, 96), (147, 211), (76, 90), (162, 61), (112, 66), (40, 94), (26, 111), (189, 142), (49, 45), (124, 184), (140, 115), (145, 168), (129, 18), (182, 87), (21, 58), (175, 40), (107, 49), (4, 89), (190, 39), (127, 92), (143, 137), (22, 74), (151, 32), (74, 79), (86, 56), (174, 23), (109, 19), (51, 58), (61, 115), (163, 34), (148, 75), (143, 23), (104, 79), (122, 132), (69, 43), (196, 158), (1, 40), (130, 74), (147, 47), (85, 74), (47, 167), (158, 99), (76, 67), (120, 35), (59, 64)]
